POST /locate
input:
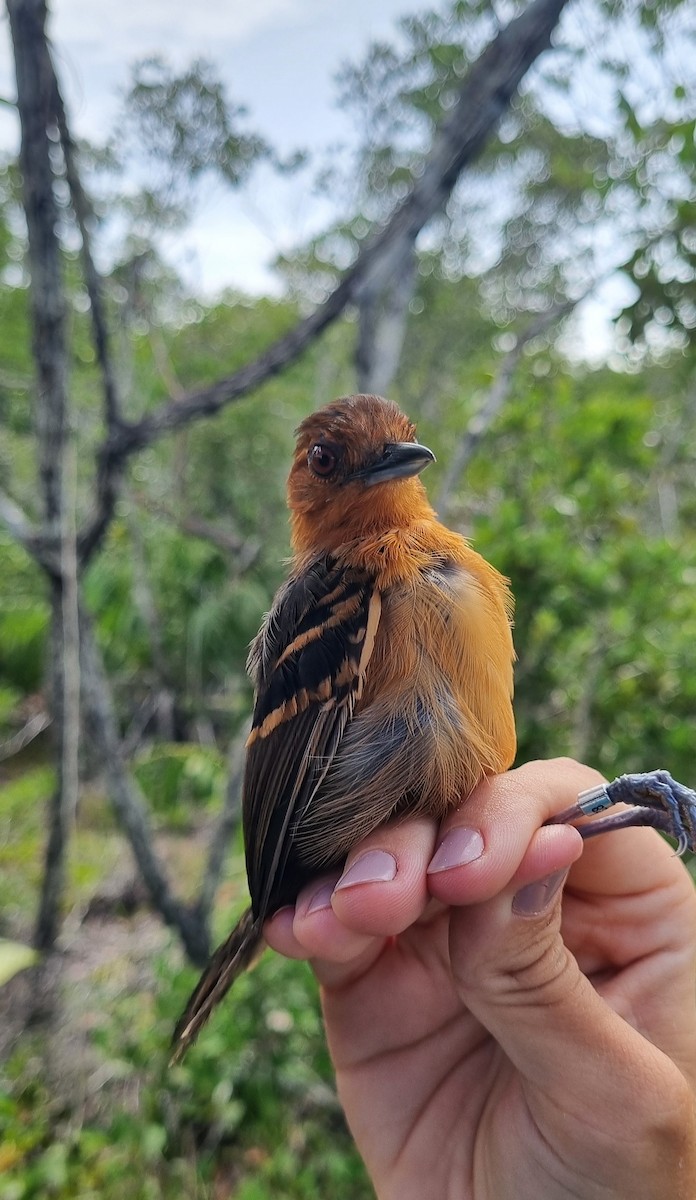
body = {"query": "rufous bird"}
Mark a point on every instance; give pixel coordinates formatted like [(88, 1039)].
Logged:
[(383, 676), (383, 672)]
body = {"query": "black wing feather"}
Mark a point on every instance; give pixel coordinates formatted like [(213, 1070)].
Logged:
[(308, 663)]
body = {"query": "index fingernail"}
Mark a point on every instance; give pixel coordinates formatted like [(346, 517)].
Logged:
[(459, 847), (374, 866)]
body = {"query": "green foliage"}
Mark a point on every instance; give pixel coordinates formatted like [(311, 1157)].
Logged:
[(253, 1103), (605, 611), (23, 626), (186, 120), (179, 779), (22, 813)]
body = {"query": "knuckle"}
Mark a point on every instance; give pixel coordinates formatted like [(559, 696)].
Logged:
[(536, 971), (539, 973)]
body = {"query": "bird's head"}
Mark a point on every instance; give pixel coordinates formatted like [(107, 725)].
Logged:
[(355, 473)]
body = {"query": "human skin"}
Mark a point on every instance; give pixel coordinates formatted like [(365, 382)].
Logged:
[(495, 1038)]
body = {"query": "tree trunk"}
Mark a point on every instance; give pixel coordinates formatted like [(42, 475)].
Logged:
[(35, 81), (383, 306)]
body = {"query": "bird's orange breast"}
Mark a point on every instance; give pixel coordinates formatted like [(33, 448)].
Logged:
[(445, 641)]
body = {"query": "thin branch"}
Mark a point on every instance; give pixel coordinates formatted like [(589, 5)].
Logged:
[(17, 523), (244, 551), (107, 481), (494, 400), (222, 831), (383, 315), (93, 280), (164, 365), (228, 540), (39, 544), (127, 801), (24, 736), (145, 604)]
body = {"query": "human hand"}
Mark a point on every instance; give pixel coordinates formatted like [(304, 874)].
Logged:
[(488, 1045)]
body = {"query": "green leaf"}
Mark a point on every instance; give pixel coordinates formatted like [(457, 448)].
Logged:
[(14, 957)]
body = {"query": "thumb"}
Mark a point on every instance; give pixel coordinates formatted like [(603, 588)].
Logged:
[(515, 975)]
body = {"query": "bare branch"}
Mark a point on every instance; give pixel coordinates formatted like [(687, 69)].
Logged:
[(17, 523), (107, 481), (93, 280), (244, 551), (34, 726), (494, 401), (126, 799), (40, 544), (223, 829), (165, 367), (383, 315)]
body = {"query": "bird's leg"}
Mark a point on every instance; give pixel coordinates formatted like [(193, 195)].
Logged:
[(657, 800)]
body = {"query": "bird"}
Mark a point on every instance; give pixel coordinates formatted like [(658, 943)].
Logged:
[(383, 679), (383, 672)]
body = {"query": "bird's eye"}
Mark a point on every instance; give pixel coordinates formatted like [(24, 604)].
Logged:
[(322, 460)]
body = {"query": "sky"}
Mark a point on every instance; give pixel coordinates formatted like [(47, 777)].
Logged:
[(277, 57)]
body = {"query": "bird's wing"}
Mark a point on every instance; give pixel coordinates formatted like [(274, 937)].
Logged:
[(308, 663)]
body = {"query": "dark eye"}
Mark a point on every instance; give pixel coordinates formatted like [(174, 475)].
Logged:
[(322, 460)]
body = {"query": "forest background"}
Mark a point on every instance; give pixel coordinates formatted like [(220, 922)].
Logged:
[(494, 191)]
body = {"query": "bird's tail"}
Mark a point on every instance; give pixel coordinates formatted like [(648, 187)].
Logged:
[(236, 953)]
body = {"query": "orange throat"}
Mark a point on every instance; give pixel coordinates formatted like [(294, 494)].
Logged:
[(356, 515)]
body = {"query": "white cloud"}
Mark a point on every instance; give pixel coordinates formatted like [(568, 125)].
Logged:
[(275, 56)]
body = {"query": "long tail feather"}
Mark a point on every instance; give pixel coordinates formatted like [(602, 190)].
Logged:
[(236, 953)]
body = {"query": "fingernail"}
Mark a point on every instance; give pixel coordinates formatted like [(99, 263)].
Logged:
[(320, 899), (374, 866), (535, 898), (459, 847)]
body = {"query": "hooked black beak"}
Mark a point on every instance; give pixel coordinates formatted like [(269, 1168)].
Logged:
[(399, 460)]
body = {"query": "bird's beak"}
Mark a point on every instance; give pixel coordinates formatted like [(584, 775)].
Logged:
[(399, 460)]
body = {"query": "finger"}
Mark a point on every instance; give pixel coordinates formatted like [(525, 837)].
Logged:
[(513, 972), (278, 934), (482, 844), (383, 888), (311, 928), (341, 923)]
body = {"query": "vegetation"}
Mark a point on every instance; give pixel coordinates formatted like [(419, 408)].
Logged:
[(572, 473)]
